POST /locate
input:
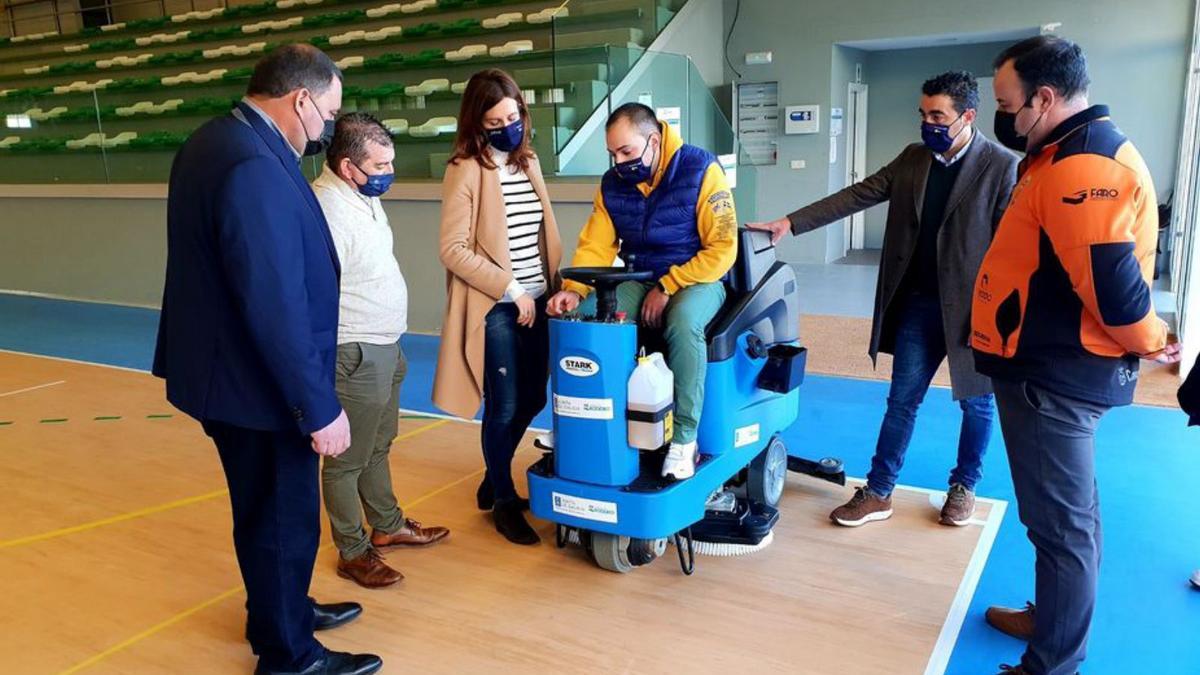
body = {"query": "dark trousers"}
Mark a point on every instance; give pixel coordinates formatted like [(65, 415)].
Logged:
[(920, 350), (273, 487), (1051, 451), (514, 389)]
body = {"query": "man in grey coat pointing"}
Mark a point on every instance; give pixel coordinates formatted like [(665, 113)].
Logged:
[(946, 196)]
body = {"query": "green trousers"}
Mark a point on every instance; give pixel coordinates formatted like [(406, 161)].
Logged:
[(360, 480), (687, 315)]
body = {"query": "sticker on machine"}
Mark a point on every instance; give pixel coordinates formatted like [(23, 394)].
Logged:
[(578, 366), (588, 509), (745, 435), (583, 408)]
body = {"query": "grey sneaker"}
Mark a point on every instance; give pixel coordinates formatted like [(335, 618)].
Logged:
[(959, 507), (864, 507)]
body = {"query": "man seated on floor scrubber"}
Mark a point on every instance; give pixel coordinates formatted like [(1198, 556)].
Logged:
[(664, 206)]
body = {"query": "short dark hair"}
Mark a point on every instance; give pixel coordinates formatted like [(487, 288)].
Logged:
[(638, 114), (1048, 61), (959, 85), (292, 67), (352, 134)]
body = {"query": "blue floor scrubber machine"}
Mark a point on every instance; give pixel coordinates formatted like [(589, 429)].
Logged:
[(607, 495)]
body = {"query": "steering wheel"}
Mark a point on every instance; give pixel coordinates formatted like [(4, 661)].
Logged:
[(605, 280)]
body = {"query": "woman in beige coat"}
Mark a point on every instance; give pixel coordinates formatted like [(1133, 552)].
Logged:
[(501, 249)]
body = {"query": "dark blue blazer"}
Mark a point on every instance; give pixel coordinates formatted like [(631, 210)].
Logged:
[(248, 332)]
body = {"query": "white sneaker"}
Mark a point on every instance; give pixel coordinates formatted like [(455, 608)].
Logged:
[(1196, 579), (680, 462), (544, 441)]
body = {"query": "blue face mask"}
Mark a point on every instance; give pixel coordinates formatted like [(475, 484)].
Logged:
[(635, 170), (937, 136), (507, 138), (376, 185)]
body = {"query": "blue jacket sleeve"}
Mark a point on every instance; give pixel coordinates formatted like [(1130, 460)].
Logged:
[(263, 258)]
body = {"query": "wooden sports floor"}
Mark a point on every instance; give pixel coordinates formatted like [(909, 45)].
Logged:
[(116, 557)]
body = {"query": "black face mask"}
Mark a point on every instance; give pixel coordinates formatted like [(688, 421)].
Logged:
[(321, 143), (1005, 127), (1006, 132)]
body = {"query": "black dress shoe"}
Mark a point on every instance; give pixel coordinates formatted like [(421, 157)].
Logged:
[(334, 614), (333, 663), (511, 523), (328, 616), (486, 500)]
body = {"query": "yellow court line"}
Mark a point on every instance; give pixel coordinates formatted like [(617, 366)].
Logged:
[(152, 510), (150, 631), (75, 529), (161, 626), (26, 390)]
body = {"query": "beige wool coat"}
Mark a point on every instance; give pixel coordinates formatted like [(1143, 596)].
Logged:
[(474, 250)]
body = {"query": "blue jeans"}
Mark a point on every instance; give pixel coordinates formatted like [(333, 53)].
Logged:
[(515, 364), (920, 348)]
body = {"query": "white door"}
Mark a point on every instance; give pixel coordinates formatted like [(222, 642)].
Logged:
[(856, 157)]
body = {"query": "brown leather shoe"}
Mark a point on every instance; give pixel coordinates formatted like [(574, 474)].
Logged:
[(1018, 623), (411, 535), (864, 507), (959, 507), (368, 570)]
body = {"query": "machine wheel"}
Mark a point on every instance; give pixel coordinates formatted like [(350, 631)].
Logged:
[(831, 465), (611, 552), (646, 551), (767, 474)]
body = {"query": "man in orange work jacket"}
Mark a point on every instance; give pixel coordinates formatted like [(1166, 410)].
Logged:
[(1061, 315)]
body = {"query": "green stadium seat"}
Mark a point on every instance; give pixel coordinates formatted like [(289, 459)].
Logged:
[(460, 26), (9, 141)]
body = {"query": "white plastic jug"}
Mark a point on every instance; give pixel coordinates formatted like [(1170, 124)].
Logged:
[(651, 403)]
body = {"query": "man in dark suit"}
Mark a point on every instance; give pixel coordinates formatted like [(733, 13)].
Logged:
[(946, 196), (247, 336)]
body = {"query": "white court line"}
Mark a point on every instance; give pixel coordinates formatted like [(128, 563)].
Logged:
[(66, 360), (29, 389), (939, 659)]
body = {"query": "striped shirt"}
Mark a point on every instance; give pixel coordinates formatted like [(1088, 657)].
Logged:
[(523, 209)]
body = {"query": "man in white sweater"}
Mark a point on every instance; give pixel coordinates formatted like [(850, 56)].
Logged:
[(373, 314)]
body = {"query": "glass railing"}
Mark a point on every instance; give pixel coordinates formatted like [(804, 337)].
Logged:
[(673, 87), (117, 116)]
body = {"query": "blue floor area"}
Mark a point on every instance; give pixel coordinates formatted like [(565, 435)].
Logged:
[(1148, 618)]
